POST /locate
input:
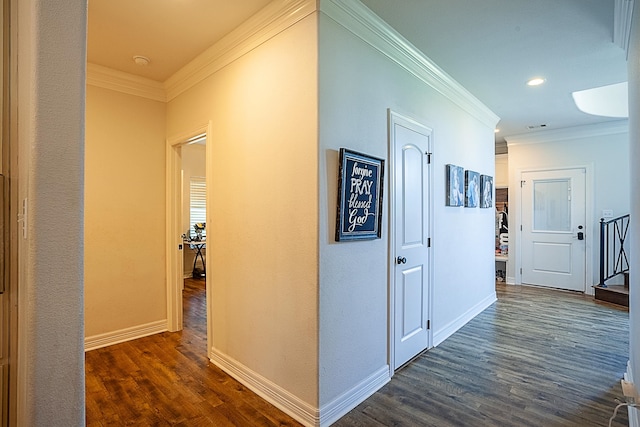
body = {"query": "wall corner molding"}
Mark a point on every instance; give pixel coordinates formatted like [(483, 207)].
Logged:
[(305, 413), (108, 78), (116, 337), (622, 17), (575, 132), (267, 23), (347, 401), (443, 333), (366, 25)]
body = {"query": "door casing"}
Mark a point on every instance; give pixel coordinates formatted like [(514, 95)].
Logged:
[(174, 269)]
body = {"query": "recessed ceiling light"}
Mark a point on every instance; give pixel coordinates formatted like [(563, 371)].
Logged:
[(496, 130), (141, 60), (536, 81)]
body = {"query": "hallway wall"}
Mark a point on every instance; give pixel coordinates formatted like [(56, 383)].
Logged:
[(124, 248), (634, 164), (263, 209), (358, 83), (601, 148)]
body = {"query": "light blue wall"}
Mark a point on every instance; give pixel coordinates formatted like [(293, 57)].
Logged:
[(357, 84), (602, 150), (634, 161)]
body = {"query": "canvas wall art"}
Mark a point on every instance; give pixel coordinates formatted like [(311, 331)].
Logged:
[(455, 185), (486, 194), (472, 189)]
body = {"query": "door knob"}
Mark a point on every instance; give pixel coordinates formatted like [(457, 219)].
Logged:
[(401, 260)]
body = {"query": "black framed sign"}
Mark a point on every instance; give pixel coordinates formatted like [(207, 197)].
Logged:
[(359, 196)]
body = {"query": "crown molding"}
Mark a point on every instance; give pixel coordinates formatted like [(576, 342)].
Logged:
[(267, 23), (623, 12), (119, 81), (366, 25), (576, 132)]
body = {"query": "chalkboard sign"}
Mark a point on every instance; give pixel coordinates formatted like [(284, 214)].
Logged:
[(359, 196)]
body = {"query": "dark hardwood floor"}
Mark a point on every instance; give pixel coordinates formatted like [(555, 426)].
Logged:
[(535, 358), (167, 380)]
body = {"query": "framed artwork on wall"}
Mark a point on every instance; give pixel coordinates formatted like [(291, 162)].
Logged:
[(455, 185), (472, 189), (486, 191), (360, 182)]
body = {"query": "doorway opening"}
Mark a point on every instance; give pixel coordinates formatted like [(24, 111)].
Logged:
[(188, 178)]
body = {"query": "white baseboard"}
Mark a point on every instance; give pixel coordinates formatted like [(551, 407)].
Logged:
[(634, 413), (444, 333), (302, 411), (339, 407), (122, 335)]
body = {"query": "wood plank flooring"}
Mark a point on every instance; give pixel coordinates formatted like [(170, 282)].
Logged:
[(535, 358), (167, 380)]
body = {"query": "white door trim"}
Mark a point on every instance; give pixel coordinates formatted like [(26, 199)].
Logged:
[(590, 226), (394, 117), (174, 273)]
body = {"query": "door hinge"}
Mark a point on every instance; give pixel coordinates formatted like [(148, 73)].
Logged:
[(429, 242), (520, 270), (520, 227), (428, 324), (428, 157), (522, 183)]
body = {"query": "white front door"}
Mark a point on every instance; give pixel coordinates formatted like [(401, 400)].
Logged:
[(410, 143), (554, 228)]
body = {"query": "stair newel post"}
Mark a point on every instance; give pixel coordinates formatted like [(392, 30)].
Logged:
[(602, 255)]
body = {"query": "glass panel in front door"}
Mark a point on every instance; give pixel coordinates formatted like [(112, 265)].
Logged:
[(552, 205)]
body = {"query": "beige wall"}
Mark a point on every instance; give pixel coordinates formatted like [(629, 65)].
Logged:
[(124, 211), (502, 171), (263, 206)]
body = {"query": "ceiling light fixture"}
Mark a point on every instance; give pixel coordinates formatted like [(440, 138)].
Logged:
[(141, 60), (536, 81), (496, 130)]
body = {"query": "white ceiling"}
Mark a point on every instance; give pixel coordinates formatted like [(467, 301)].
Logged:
[(491, 47)]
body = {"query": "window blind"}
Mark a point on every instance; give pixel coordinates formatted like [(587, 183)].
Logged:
[(197, 203)]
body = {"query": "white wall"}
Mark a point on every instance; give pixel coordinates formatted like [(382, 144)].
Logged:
[(50, 75), (357, 86), (634, 161), (602, 148)]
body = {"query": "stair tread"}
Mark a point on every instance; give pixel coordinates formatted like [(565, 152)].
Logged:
[(621, 289)]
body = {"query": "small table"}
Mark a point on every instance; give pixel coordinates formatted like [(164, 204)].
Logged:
[(501, 275), (198, 245)]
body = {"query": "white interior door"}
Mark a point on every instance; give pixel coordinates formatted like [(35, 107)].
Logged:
[(410, 143), (554, 228)]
